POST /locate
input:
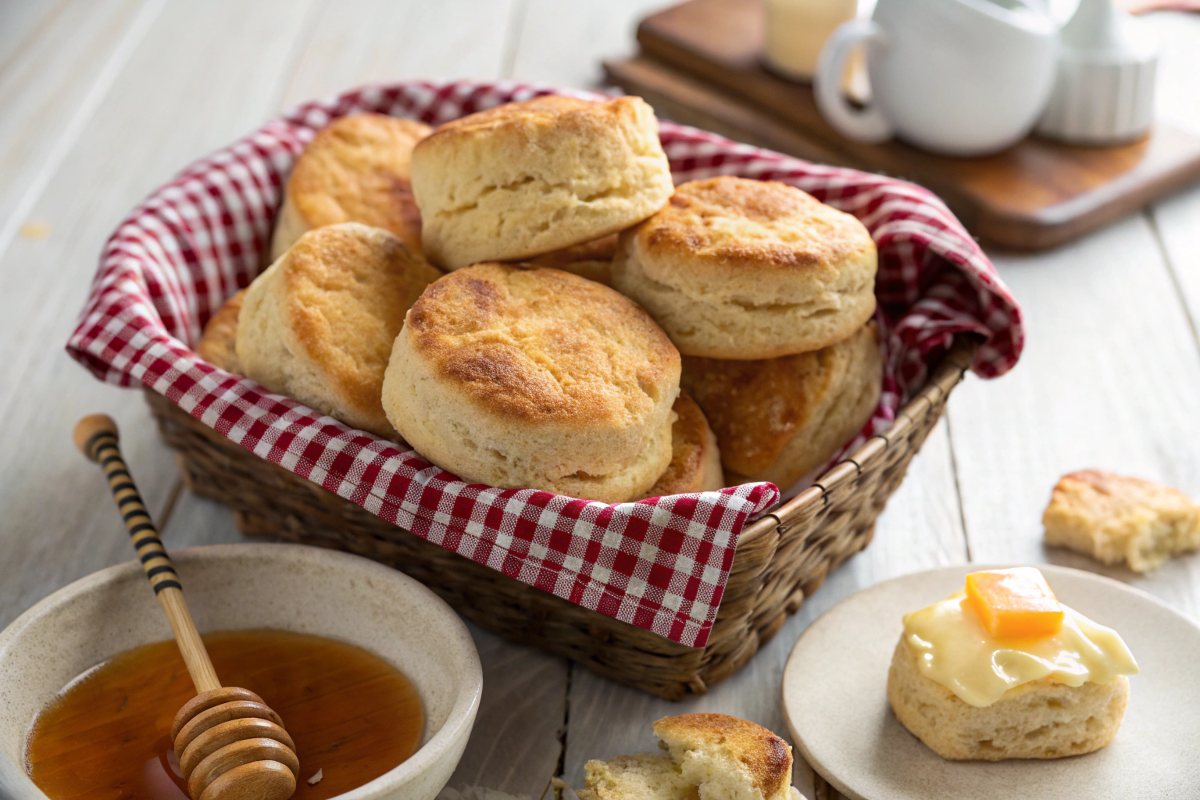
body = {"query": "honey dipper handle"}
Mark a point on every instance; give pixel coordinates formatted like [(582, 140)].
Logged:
[(96, 436)]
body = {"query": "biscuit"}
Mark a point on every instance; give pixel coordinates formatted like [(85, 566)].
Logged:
[(1040, 719), (591, 260), (1113, 518), (728, 757), (744, 269), (524, 377), (218, 343), (356, 169), (319, 324), (528, 178), (645, 776), (695, 458), (778, 419)]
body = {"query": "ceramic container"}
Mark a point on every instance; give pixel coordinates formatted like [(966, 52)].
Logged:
[(1104, 93), (289, 587), (957, 77)]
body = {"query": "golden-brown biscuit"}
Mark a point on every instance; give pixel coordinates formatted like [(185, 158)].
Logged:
[(778, 419), (695, 457), (644, 776), (218, 343), (356, 169), (528, 178), (743, 269), (591, 260), (525, 377), (1040, 719), (1113, 518), (728, 757), (319, 324)]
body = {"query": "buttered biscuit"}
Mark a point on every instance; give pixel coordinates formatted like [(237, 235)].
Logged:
[(695, 457), (526, 377), (354, 170), (743, 269), (319, 324), (778, 419), (218, 343), (527, 178), (1040, 719)]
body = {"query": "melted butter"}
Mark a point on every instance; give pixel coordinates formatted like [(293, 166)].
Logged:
[(956, 650)]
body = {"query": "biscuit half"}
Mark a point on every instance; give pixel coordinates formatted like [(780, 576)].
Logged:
[(728, 757), (356, 169), (778, 419), (743, 269), (319, 324), (524, 377), (1040, 719), (524, 179)]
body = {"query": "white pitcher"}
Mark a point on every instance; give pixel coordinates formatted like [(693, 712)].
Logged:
[(958, 77)]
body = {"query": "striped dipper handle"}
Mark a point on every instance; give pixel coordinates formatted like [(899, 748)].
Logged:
[(96, 436)]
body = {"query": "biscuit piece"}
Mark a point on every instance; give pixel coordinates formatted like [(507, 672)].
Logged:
[(528, 178), (354, 170), (525, 377), (1113, 519), (1040, 719), (743, 269), (695, 458), (591, 260), (218, 343), (727, 757), (645, 776), (778, 419), (319, 324)]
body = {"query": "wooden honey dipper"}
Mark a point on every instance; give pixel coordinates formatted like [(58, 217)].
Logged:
[(230, 745)]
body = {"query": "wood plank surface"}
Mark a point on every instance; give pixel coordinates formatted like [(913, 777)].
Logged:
[(1109, 379), (170, 102), (368, 41)]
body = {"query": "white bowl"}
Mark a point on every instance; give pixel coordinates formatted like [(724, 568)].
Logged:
[(289, 587)]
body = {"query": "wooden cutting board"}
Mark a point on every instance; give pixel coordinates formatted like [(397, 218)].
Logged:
[(700, 64)]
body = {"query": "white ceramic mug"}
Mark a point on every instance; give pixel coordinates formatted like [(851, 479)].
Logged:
[(958, 77)]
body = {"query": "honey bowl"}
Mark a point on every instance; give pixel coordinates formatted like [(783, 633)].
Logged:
[(287, 588)]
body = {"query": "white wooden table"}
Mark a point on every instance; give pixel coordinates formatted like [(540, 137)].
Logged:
[(102, 100)]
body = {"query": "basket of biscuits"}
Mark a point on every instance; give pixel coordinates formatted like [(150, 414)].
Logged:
[(613, 387)]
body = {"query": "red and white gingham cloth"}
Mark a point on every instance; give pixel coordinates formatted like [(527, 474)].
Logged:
[(658, 564)]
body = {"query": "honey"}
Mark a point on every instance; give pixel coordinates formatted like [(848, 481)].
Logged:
[(107, 735)]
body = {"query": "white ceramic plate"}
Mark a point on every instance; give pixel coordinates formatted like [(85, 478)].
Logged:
[(835, 702)]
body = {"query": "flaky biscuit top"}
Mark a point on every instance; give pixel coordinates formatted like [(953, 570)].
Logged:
[(542, 345), (753, 241), (356, 169)]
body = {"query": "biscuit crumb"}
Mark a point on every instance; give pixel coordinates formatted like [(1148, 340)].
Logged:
[(316, 778), (36, 230)]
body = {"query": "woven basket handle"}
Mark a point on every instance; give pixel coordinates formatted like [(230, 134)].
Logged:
[(96, 436)]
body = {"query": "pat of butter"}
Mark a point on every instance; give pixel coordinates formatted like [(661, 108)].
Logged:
[(956, 650)]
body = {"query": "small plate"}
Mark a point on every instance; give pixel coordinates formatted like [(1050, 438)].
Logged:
[(835, 701)]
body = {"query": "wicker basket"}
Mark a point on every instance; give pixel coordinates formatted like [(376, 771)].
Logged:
[(781, 559)]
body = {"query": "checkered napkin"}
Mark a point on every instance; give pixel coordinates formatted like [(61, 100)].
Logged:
[(658, 564)]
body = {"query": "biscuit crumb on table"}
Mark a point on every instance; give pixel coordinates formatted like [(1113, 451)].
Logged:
[(1116, 519)]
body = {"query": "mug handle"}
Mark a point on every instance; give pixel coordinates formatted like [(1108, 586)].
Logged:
[(863, 125)]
